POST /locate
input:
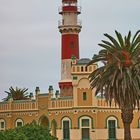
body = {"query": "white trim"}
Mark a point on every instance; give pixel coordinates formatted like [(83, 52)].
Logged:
[(19, 120), (85, 117), (112, 118), (82, 127), (66, 119)]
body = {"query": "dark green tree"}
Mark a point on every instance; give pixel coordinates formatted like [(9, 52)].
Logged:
[(118, 78), (28, 132), (16, 94)]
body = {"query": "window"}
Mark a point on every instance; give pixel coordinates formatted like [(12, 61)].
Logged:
[(62, 21), (84, 95), (2, 124), (85, 122), (111, 129), (66, 132), (66, 123), (112, 125), (19, 122), (74, 77), (85, 133), (85, 125), (139, 123)]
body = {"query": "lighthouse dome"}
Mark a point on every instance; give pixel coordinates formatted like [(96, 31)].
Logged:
[(83, 61)]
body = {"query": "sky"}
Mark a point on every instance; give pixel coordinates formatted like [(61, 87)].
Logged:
[(30, 43)]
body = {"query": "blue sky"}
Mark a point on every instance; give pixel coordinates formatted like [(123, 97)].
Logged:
[(30, 42)]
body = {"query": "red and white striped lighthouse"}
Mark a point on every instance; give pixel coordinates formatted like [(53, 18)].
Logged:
[(69, 28)]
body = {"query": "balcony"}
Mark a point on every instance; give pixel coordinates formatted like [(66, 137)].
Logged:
[(61, 103), (18, 105), (62, 23)]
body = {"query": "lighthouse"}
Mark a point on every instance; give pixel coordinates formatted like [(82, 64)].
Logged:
[(69, 28)]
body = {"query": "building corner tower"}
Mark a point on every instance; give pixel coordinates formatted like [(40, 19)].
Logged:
[(69, 28)]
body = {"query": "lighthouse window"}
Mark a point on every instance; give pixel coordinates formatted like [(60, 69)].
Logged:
[(62, 21), (72, 44)]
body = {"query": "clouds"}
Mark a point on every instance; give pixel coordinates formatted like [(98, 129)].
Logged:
[(30, 40), (27, 43)]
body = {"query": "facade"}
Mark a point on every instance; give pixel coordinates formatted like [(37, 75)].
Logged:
[(75, 113)]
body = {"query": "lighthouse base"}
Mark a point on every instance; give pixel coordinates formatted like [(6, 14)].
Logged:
[(66, 89)]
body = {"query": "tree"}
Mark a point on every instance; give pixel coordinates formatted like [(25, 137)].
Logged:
[(16, 94), (28, 132), (118, 78)]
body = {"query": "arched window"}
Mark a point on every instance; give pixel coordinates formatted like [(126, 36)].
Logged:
[(2, 124), (19, 122), (66, 128), (85, 125), (112, 125)]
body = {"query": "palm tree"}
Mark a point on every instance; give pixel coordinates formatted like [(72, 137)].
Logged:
[(118, 78), (16, 94)]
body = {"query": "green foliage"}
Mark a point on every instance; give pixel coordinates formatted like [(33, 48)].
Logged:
[(16, 94), (119, 76), (27, 132)]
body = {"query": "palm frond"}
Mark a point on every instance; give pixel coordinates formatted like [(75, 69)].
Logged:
[(119, 78)]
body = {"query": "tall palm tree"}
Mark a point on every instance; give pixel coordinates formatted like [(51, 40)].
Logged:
[(16, 94), (118, 78)]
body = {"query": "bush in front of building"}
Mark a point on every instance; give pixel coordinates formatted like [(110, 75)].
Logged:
[(27, 132)]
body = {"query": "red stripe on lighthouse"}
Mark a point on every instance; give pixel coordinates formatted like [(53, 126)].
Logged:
[(70, 8), (70, 46)]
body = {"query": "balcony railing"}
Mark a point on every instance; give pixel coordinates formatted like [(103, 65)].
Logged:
[(18, 105), (62, 23), (55, 104)]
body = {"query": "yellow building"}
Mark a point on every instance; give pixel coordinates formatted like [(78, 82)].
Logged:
[(74, 113)]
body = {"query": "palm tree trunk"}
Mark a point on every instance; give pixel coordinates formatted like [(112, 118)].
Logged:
[(127, 117), (127, 132)]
